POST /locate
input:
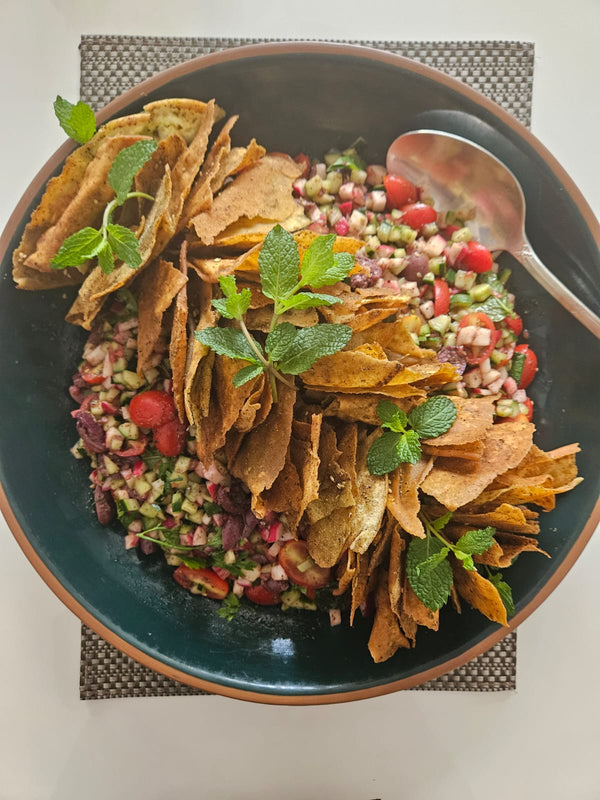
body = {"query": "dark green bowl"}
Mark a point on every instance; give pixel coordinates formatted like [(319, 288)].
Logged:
[(294, 97)]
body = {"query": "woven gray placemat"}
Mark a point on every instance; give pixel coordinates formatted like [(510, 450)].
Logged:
[(112, 64)]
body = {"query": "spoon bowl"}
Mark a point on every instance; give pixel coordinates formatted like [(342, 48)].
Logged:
[(460, 175)]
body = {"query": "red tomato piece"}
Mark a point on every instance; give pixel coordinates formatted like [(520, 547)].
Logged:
[(202, 581), (441, 297), (152, 409), (474, 354), (170, 438), (135, 448), (299, 566), (529, 404), (475, 257), (261, 596), (304, 162), (92, 375), (529, 367), (399, 191), (514, 324), (415, 215)]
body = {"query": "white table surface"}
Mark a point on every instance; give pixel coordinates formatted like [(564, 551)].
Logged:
[(541, 742)]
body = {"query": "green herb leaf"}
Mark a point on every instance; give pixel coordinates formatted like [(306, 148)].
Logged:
[(229, 607), (310, 344), (409, 448), (504, 591), (433, 417), (79, 247), (383, 454), (495, 309), (516, 366), (228, 342), (280, 339), (246, 374), (278, 263), (124, 244), (476, 542), (77, 121), (127, 164), (106, 259), (215, 539), (320, 267), (193, 563), (309, 300), (235, 304), (465, 559), (430, 578), (347, 161), (391, 416), (441, 522)]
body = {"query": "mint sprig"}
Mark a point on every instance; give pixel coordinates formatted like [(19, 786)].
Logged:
[(111, 240), (229, 607), (504, 591), (429, 573), (287, 349), (401, 442), (77, 121)]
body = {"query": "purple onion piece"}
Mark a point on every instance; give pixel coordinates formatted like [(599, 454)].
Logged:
[(276, 587), (417, 265), (91, 432), (232, 531), (105, 506), (455, 356)]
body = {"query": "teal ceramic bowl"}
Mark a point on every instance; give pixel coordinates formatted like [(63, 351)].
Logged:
[(294, 97)]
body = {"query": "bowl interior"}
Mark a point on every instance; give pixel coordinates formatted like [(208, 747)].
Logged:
[(294, 101)]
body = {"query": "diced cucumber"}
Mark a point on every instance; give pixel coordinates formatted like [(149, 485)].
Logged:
[(429, 277), (152, 510), (465, 279), (142, 487), (178, 481), (130, 380), (441, 323), (462, 235), (188, 508), (131, 504), (461, 300), (480, 292), (182, 464), (119, 364), (294, 598), (129, 430), (110, 466), (176, 502)]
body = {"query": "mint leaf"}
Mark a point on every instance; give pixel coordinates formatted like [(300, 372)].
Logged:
[(193, 563), (228, 342), (516, 366), (320, 267), (441, 522), (309, 300), (495, 308), (347, 161), (246, 374), (409, 448), (229, 607), (77, 121), (391, 416), (124, 244), (431, 579), (79, 247), (466, 559), (127, 164), (383, 454), (310, 344), (235, 304), (433, 417), (476, 542), (279, 340), (106, 260), (278, 263), (504, 591)]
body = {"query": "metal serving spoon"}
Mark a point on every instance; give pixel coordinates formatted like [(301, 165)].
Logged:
[(460, 174)]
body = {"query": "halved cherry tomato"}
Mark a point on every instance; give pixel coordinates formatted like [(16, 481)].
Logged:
[(529, 404), (135, 448), (304, 161), (441, 297), (152, 409), (261, 596), (415, 215), (475, 257), (529, 366), (170, 438), (92, 375), (474, 354), (514, 324), (399, 191), (299, 566), (202, 581)]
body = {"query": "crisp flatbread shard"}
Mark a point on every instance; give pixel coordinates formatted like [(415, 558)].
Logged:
[(261, 456), (158, 120), (86, 207), (479, 592), (403, 500), (179, 336), (386, 636), (159, 285), (371, 496), (474, 418), (505, 448), (98, 284), (264, 189)]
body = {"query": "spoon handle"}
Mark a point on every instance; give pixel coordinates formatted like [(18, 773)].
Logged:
[(558, 290)]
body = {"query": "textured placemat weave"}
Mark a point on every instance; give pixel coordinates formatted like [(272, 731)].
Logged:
[(111, 65)]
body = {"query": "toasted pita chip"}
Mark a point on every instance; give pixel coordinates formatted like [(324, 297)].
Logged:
[(386, 636), (159, 286), (264, 189), (369, 509), (505, 517), (474, 418), (351, 369), (261, 456), (259, 319), (346, 572), (178, 343), (394, 337), (360, 407), (397, 546), (512, 546), (286, 492), (248, 232), (472, 451), (403, 499), (211, 269), (98, 285), (337, 486), (327, 537), (505, 448), (304, 451), (479, 593), (200, 360), (359, 582), (415, 610)]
